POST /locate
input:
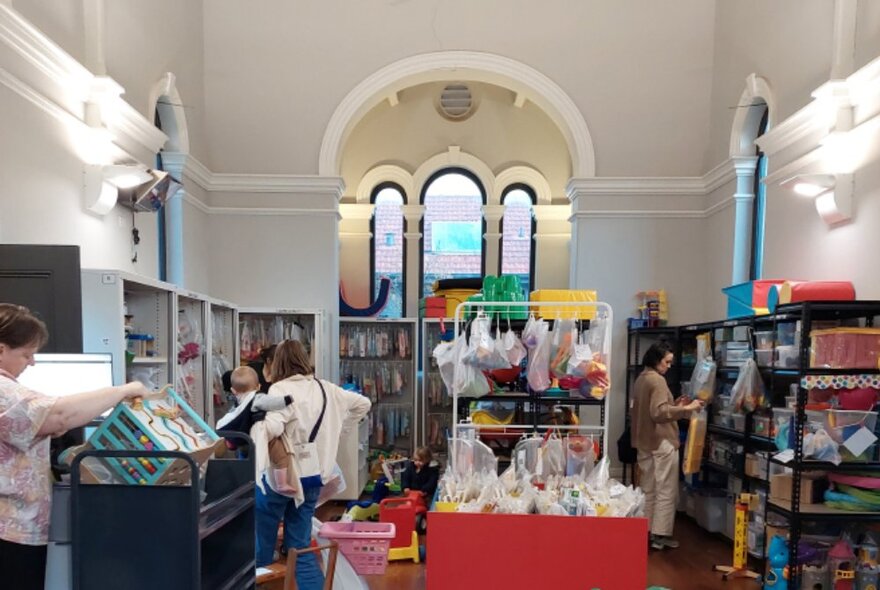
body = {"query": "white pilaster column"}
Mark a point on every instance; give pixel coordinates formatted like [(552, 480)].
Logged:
[(174, 163), (742, 232), (354, 251), (553, 240), (493, 215), (413, 215), (577, 193)]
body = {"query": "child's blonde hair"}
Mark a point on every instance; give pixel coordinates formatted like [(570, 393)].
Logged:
[(244, 379)]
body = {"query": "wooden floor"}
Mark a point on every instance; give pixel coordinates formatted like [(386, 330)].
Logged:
[(686, 568)]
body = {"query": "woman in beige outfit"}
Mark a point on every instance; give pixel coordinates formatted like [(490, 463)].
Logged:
[(655, 436)]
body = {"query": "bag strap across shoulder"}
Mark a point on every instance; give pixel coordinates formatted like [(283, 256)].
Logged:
[(321, 417)]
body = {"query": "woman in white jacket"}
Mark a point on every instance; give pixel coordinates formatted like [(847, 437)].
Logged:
[(284, 496)]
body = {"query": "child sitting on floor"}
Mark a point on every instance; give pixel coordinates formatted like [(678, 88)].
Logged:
[(421, 474)]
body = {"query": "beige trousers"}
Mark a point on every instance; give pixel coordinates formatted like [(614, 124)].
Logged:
[(659, 481)]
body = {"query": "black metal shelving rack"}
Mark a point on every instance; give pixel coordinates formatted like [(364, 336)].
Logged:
[(807, 313), (167, 537)]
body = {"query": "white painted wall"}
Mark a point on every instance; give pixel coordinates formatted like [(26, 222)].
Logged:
[(196, 240), (867, 32), (788, 42), (598, 52), (278, 260), (61, 20), (622, 256), (499, 133), (147, 39), (800, 246), (41, 195), (718, 229)]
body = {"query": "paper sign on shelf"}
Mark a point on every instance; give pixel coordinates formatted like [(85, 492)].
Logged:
[(785, 456), (859, 442)]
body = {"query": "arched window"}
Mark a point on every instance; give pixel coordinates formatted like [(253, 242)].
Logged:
[(517, 235), (452, 227), (388, 251), (759, 205)]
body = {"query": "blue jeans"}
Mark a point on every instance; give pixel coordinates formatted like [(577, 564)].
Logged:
[(271, 508)]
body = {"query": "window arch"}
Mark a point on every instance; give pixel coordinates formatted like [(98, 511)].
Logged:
[(517, 248), (387, 248), (759, 204), (453, 227)]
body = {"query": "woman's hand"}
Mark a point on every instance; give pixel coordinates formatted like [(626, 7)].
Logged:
[(134, 389), (695, 405), (683, 400)]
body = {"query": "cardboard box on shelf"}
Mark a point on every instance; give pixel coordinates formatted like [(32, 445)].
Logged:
[(813, 486)]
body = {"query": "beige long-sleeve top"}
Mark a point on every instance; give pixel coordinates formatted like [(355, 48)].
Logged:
[(654, 413), (344, 410)]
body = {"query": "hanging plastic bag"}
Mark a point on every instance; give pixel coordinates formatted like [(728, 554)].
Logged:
[(446, 354), (468, 380), (552, 458), (747, 394), (514, 348), (485, 352), (538, 374), (696, 440), (564, 337), (579, 457), (703, 380)]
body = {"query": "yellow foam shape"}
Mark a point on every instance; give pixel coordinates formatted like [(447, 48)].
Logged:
[(565, 311)]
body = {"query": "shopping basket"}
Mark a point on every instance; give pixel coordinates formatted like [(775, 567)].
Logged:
[(364, 544)]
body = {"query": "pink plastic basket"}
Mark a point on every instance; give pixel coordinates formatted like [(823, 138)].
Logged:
[(364, 544)]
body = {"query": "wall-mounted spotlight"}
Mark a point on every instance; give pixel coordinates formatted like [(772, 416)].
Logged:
[(833, 194), (102, 184)]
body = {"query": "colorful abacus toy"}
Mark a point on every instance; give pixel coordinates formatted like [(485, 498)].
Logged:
[(161, 423)]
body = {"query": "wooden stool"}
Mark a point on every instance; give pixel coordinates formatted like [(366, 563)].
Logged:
[(329, 572)]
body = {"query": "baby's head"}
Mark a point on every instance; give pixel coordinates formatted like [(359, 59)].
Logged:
[(244, 380), (422, 457)]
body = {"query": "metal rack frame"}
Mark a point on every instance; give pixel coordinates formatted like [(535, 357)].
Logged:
[(603, 404)]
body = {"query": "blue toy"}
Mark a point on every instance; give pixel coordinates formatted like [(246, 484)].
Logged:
[(777, 554), (369, 509)]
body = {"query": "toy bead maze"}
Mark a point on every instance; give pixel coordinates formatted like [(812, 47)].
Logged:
[(346, 310), (164, 423)]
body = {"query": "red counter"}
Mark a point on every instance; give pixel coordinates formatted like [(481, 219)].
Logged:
[(535, 552)]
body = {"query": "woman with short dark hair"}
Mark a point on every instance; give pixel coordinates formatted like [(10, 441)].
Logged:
[(655, 436), (27, 420)]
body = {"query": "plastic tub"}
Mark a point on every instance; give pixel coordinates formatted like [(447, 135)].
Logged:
[(711, 510), (764, 340), (787, 357), (764, 358), (842, 424), (364, 544), (739, 422)]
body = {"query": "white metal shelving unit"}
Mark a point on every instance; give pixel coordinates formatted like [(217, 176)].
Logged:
[(108, 297), (264, 326), (379, 356), (222, 350), (603, 310)]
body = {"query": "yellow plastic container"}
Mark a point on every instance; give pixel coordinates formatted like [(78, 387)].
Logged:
[(445, 506), (565, 311), (454, 297)]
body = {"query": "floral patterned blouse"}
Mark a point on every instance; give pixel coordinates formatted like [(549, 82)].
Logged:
[(25, 479)]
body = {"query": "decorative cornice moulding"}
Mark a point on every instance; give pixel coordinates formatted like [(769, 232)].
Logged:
[(65, 83)]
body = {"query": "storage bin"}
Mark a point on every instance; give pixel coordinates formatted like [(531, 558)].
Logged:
[(764, 358), (845, 348), (787, 357), (739, 422), (787, 334), (842, 424), (729, 516), (764, 340), (584, 312), (761, 425), (711, 510)]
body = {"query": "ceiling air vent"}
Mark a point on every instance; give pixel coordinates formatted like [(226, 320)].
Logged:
[(456, 102)]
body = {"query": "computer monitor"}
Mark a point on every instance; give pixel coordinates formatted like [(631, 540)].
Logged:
[(62, 374)]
